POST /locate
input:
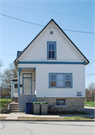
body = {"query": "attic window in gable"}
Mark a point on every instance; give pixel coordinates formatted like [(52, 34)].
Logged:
[(51, 50), (51, 32)]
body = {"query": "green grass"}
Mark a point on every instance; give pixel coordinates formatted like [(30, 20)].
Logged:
[(77, 118), (54, 118), (2, 118), (89, 104), (3, 102)]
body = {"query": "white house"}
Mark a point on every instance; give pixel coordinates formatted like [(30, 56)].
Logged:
[(52, 69)]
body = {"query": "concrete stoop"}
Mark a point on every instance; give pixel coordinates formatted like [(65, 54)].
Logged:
[(14, 107)]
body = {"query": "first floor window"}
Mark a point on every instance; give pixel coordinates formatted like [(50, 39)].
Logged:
[(67, 80), (53, 80), (58, 80)]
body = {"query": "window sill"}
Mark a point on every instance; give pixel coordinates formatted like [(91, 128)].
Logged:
[(52, 59), (61, 87), (60, 106)]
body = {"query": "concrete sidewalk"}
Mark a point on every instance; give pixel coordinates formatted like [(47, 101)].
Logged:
[(19, 114), (14, 116)]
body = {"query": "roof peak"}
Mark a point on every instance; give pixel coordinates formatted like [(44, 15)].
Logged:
[(52, 20)]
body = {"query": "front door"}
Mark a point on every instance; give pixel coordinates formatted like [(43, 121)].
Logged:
[(27, 83)]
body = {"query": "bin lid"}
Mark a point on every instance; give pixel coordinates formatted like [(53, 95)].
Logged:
[(44, 102), (28, 102), (36, 102)]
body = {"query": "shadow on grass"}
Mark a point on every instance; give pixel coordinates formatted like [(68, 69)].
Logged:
[(70, 112)]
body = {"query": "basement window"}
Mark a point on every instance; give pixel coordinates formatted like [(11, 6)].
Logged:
[(60, 102)]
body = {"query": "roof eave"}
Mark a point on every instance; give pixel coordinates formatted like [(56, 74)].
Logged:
[(63, 33)]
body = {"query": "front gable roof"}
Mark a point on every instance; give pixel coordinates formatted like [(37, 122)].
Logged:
[(62, 32)]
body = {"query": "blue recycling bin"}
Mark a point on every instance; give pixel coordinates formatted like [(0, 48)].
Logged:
[(28, 107)]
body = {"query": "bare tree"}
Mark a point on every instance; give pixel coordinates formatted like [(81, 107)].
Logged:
[(91, 86), (9, 74), (1, 63)]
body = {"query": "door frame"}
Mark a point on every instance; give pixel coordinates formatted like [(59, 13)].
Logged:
[(23, 82), (14, 82)]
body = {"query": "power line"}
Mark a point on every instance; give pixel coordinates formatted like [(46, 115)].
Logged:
[(7, 54), (20, 20), (44, 25), (90, 64), (89, 71), (7, 62), (90, 74), (48, 11)]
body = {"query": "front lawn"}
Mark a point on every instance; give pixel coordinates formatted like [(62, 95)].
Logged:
[(3, 102), (89, 104)]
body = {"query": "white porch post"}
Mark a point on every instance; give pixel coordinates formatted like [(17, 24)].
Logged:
[(19, 69), (35, 82)]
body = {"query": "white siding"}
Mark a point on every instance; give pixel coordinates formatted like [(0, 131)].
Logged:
[(37, 51), (66, 52), (42, 79)]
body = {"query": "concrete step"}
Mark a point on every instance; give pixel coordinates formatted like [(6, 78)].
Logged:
[(14, 111), (13, 103), (14, 107)]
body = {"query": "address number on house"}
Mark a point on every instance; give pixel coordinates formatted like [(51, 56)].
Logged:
[(79, 94)]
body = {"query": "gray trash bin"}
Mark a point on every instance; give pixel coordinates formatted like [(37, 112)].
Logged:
[(36, 108), (44, 108)]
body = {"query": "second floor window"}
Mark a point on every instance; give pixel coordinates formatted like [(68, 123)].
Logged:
[(51, 50)]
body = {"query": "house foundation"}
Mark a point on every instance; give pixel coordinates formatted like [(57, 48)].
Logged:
[(71, 103)]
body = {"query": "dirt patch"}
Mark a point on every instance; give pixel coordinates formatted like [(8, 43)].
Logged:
[(49, 118), (1, 118)]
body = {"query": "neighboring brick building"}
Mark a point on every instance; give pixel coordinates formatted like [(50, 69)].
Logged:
[(90, 95)]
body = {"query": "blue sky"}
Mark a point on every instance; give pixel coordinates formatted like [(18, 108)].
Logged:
[(71, 15)]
